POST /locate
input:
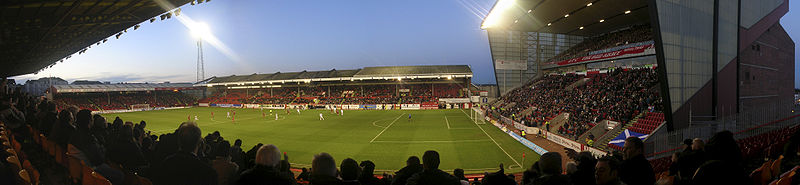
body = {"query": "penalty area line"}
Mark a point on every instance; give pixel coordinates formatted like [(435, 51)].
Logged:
[(387, 127)]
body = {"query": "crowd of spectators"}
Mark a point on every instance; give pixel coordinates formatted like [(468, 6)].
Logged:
[(341, 94), (124, 100), (618, 95), (631, 35)]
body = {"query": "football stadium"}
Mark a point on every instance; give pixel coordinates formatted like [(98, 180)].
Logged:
[(595, 92)]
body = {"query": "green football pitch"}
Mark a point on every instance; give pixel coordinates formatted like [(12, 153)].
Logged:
[(386, 137)]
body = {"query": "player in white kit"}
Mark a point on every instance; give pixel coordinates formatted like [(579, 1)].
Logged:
[(320, 117)]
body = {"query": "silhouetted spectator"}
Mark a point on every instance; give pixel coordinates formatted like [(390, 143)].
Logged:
[(724, 165), (265, 171), (431, 173), (304, 174), (227, 171), (550, 166), (323, 170), (459, 174), (412, 167), (350, 172), (585, 169), (237, 155), (89, 150), (367, 174), (185, 167), (528, 176), (498, 178), (63, 129), (635, 168)]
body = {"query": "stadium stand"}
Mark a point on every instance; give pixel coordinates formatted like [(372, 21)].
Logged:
[(633, 34), (122, 96), (370, 85), (617, 95)]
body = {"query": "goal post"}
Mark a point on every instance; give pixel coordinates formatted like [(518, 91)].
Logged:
[(476, 115), (140, 106)]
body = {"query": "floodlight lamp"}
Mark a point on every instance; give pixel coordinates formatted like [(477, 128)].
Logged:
[(200, 30)]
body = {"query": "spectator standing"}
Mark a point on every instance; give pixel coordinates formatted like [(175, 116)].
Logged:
[(431, 173), (635, 168), (227, 171)]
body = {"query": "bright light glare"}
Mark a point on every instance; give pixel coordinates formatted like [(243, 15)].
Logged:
[(497, 13), (200, 30)]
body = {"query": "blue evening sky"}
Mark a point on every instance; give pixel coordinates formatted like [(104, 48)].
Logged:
[(287, 35)]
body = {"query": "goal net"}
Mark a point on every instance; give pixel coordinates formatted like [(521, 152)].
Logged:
[(477, 115), (140, 106)]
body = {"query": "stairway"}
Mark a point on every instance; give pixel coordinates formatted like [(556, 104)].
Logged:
[(602, 142)]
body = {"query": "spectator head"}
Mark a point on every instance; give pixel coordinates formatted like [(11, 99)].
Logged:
[(350, 169), (223, 149), (367, 167), (117, 120), (304, 170), (675, 157), (126, 132), (459, 173), (188, 137), (99, 122), (323, 165), (606, 170), (237, 143), (633, 147), (687, 143), (268, 155), (412, 161), (550, 163), (430, 160), (572, 167), (698, 144), (65, 117), (722, 146)]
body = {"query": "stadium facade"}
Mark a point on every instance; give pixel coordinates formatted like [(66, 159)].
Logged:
[(716, 58)]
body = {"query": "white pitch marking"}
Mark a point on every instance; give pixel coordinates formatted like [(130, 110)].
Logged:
[(498, 145), (387, 127), (455, 141)]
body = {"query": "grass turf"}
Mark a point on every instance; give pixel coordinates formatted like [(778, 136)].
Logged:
[(386, 137)]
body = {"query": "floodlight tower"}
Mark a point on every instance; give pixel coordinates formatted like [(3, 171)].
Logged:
[(200, 30), (201, 73)]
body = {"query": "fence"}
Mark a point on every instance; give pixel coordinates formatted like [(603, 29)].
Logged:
[(754, 121)]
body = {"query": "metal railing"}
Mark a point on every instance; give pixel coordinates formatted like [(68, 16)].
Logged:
[(747, 123)]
